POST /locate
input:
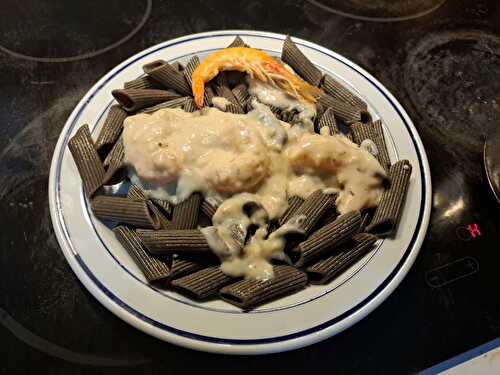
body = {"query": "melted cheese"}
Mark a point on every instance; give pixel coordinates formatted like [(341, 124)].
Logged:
[(251, 159)]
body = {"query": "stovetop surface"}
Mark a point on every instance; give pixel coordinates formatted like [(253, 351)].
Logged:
[(441, 59)]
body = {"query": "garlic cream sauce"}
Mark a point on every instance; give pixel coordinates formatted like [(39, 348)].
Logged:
[(252, 159)]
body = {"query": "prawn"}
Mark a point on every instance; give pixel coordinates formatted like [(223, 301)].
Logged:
[(255, 63)]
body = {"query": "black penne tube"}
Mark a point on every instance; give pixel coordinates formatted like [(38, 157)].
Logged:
[(312, 210), (241, 94), (184, 265), (226, 93), (237, 42), (190, 68), (185, 214), (133, 100), (168, 242), (178, 66), (278, 113), (327, 269), (328, 218), (249, 105), (326, 239), (135, 192), (165, 223), (221, 79), (287, 116), (152, 268), (233, 108), (343, 111), (292, 56), (164, 205), (209, 95), (188, 73), (161, 209), (87, 160), (111, 130), (142, 83), (204, 283), (155, 64), (366, 218), (334, 88), (189, 105), (249, 293), (373, 132), (328, 121), (115, 171), (386, 217), (174, 103), (125, 211), (209, 206), (293, 205), (168, 76)]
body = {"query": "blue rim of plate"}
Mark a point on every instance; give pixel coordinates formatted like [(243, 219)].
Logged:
[(217, 340)]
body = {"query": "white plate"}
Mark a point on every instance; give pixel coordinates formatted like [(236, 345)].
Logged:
[(304, 318)]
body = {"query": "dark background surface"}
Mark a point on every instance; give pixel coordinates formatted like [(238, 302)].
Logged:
[(443, 66)]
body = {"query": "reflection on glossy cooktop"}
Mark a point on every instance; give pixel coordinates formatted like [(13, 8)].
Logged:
[(441, 61), (379, 10)]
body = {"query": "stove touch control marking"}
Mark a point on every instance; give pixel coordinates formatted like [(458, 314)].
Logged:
[(451, 272), (469, 232)]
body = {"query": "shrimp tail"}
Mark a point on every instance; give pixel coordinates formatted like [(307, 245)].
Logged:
[(258, 65), (198, 87)]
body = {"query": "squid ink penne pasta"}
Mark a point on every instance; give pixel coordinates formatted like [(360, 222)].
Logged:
[(115, 171), (240, 92), (190, 67), (312, 210), (237, 42), (111, 130), (325, 239), (328, 121), (142, 83), (292, 56), (209, 206), (159, 208), (185, 214), (87, 160), (344, 111), (294, 204), (183, 265), (134, 192), (225, 92), (133, 100), (168, 76), (189, 105), (164, 205), (179, 102), (174, 241), (371, 136), (334, 88), (386, 217), (204, 283), (327, 269), (124, 211), (250, 293), (152, 268)]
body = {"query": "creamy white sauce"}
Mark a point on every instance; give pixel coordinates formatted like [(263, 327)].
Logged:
[(242, 160), (271, 95), (220, 102)]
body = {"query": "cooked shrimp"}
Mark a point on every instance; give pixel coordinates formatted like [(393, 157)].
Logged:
[(328, 154), (258, 65)]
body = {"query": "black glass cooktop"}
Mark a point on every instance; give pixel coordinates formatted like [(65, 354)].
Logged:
[(441, 59)]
